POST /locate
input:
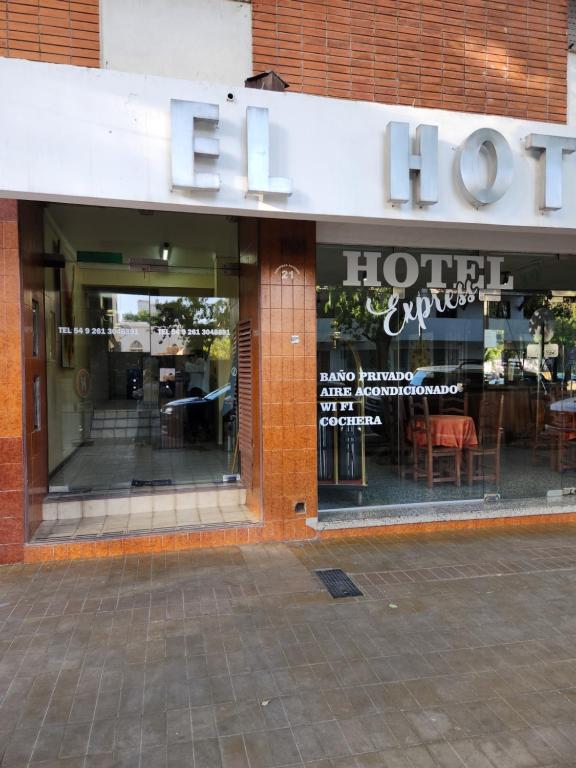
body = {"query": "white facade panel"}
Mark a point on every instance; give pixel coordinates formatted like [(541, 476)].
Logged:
[(208, 40), (571, 89), (101, 136)]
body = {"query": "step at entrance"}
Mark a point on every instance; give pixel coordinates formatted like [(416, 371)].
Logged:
[(142, 523), (151, 501), (127, 423)]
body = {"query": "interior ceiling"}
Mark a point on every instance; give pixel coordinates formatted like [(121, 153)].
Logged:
[(195, 240)]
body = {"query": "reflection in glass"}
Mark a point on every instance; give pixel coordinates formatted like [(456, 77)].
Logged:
[(490, 410), (157, 404)]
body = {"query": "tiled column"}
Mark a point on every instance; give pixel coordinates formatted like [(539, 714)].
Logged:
[(287, 252), (11, 374)]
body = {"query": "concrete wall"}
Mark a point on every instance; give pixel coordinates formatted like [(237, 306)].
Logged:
[(207, 40), (571, 90)]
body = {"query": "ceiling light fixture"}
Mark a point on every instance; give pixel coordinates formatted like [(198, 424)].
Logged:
[(165, 250)]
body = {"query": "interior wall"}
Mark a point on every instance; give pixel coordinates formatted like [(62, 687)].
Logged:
[(66, 417), (30, 219)]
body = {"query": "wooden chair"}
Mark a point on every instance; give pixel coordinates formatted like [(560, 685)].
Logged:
[(551, 430), (428, 459), (405, 452), (545, 439), (489, 441), (561, 431), (455, 405)]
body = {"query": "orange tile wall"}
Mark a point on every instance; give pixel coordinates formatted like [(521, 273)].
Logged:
[(133, 545), (12, 470), (58, 31), (288, 418), (62, 32), (487, 56)]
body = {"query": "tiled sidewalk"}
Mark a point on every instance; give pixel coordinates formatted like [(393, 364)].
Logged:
[(462, 652)]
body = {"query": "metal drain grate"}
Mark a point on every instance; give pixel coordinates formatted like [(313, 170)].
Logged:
[(149, 483), (337, 583)]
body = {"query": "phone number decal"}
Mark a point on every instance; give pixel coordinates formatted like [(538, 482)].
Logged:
[(65, 330)]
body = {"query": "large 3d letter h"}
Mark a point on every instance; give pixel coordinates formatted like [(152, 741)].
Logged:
[(401, 163)]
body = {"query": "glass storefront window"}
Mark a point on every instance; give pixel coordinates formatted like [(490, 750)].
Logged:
[(444, 377), (141, 323)]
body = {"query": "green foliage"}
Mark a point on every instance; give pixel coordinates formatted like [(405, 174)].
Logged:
[(564, 315), (137, 317), (492, 353), (565, 327), (346, 307), (194, 313), (189, 313)]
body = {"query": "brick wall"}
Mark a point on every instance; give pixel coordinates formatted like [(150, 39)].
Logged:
[(59, 31), (487, 56)]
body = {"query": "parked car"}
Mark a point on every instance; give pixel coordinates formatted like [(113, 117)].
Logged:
[(474, 376), (469, 374), (191, 419)]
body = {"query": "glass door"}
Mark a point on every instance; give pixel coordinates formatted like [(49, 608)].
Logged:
[(398, 403), (155, 389), (529, 363)]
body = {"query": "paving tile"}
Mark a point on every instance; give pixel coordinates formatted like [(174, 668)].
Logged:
[(75, 740), (154, 757), (238, 717), (20, 747), (47, 746), (321, 740), (102, 737), (126, 758), (273, 713), (128, 733), (233, 752), (107, 704), (206, 753), (178, 725), (306, 707), (203, 722), (202, 658), (98, 761), (180, 755)]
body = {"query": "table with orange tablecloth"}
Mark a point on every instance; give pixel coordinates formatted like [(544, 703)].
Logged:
[(446, 430)]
